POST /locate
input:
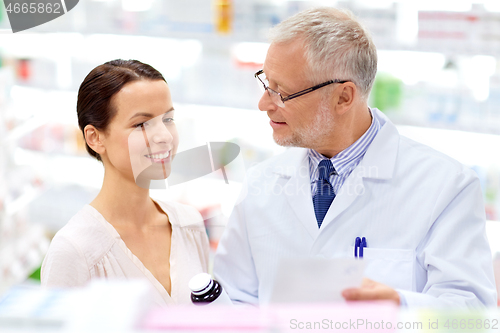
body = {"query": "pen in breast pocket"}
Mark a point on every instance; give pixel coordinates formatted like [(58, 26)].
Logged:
[(359, 244)]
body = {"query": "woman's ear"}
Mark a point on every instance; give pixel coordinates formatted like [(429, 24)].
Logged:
[(94, 139)]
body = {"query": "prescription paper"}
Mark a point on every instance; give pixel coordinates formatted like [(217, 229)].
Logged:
[(315, 280)]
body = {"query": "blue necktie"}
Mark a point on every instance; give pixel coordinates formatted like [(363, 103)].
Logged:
[(324, 194)]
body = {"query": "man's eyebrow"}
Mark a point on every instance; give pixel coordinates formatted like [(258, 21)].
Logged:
[(278, 83), (149, 115)]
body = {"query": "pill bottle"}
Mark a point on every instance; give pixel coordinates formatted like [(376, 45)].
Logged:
[(205, 290)]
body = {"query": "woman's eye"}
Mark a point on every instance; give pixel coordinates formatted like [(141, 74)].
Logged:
[(139, 125), (168, 120)]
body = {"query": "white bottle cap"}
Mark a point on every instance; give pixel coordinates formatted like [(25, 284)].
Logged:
[(200, 283)]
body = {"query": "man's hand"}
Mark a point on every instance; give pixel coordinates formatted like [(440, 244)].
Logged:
[(371, 290)]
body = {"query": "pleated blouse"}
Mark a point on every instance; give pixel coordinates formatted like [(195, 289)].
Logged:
[(88, 247)]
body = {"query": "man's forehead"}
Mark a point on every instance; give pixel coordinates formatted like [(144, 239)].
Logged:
[(285, 64)]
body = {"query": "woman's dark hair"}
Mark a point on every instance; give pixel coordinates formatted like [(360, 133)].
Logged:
[(101, 84)]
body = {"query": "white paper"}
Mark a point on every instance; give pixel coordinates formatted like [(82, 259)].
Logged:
[(315, 279)]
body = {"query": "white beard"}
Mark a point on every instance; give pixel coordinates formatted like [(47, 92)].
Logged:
[(313, 134)]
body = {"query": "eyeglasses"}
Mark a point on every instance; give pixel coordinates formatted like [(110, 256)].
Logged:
[(280, 100)]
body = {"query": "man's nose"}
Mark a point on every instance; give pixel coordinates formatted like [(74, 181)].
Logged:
[(266, 103)]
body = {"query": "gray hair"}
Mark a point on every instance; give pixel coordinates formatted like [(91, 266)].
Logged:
[(336, 46)]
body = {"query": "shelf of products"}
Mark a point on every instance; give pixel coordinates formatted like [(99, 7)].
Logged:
[(23, 242)]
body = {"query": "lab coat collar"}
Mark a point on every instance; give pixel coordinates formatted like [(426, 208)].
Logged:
[(380, 157)]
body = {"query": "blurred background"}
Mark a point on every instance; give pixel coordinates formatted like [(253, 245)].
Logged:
[(438, 80)]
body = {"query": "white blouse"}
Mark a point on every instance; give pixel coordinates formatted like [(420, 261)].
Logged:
[(89, 247)]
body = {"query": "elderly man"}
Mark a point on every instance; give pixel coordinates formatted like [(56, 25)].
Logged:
[(351, 182)]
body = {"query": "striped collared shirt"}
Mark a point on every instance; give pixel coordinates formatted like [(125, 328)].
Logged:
[(345, 161)]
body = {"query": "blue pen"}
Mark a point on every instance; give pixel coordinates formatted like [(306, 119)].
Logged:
[(357, 243), (361, 246)]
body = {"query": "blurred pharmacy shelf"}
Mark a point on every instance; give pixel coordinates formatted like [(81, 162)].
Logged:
[(460, 27), (23, 243)]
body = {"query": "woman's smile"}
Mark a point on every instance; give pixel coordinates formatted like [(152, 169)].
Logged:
[(159, 157)]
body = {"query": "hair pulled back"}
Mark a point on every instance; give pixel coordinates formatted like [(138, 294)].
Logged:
[(94, 105)]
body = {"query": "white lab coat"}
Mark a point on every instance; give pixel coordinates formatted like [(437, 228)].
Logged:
[(421, 212)]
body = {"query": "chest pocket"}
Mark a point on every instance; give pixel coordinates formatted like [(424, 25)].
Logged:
[(393, 267)]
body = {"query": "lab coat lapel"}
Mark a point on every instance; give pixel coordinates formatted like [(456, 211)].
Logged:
[(298, 191), (352, 188), (378, 163)]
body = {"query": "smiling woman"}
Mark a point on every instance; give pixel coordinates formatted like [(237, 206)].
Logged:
[(126, 115)]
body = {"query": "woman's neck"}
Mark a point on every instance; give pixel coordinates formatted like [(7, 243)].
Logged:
[(121, 201)]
